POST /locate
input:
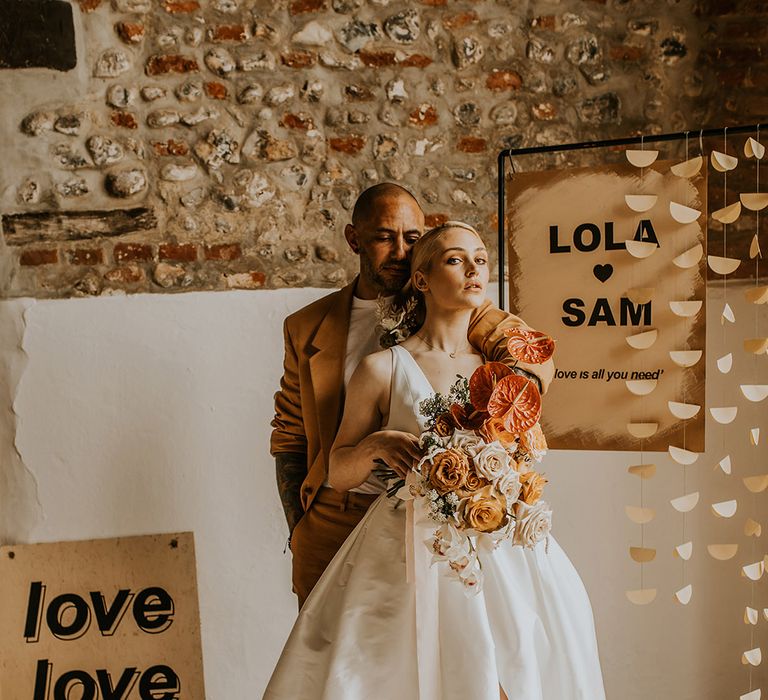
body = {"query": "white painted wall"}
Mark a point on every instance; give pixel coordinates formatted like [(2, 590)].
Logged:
[(146, 414)]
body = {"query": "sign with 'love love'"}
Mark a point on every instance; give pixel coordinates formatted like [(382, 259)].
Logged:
[(597, 261), (114, 619)]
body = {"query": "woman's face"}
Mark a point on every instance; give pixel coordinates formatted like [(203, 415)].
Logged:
[(458, 276)]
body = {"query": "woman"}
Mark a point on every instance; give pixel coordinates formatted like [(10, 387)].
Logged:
[(366, 632)]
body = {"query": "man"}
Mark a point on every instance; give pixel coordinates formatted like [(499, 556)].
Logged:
[(324, 342)]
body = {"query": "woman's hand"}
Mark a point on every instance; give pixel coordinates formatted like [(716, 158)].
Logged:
[(397, 449)]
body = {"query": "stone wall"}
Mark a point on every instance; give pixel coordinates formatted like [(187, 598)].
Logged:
[(214, 144)]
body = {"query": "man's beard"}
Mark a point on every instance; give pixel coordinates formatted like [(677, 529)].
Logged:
[(384, 284)]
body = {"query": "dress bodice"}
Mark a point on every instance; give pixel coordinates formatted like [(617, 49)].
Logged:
[(408, 389)]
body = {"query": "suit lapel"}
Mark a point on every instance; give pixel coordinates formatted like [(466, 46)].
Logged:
[(327, 365)]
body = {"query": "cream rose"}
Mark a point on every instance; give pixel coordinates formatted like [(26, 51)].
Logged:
[(485, 510), (509, 485), (466, 440), (533, 523), (491, 460)]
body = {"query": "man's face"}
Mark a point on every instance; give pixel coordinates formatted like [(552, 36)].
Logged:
[(384, 241)]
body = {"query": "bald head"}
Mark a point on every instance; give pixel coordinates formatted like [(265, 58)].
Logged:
[(370, 199)]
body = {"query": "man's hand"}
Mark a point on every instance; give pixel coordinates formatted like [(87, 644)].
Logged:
[(397, 449)]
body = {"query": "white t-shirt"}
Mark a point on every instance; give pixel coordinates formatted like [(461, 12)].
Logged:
[(362, 340)]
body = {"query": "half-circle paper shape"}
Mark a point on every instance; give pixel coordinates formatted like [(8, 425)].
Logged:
[(640, 202), (642, 341), (688, 168), (684, 551), (529, 346), (756, 345), (751, 695), (685, 309), (752, 528), (729, 214), (757, 483), (642, 430), (723, 162), (642, 555), (642, 596), (723, 266), (681, 456), (725, 509), (644, 471), (483, 381), (754, 436), (722, 552), (685, 504), (641, 295), (690, 257), (727, 314), (516, 402), (754, 248), (640, 515), (753, 149), (683, 596), (724, 414), (641, 387), (685, 358), (683, 214), (753, 572), (754, 392), (757, 295), (753, 657), (725, 464), (754, 201), (725, 363), (683, 411), (750, 616), (641, 159), (640, 249)]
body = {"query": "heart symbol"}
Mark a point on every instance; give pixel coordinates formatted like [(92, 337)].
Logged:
[(603, 272)]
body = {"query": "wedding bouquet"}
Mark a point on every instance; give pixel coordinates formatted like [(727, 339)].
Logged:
[(476, 480)]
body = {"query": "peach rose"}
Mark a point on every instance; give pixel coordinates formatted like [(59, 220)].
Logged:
[(485, 510), (534, 442), (532, 487), (448, 471), (444, 425), (473, 482)]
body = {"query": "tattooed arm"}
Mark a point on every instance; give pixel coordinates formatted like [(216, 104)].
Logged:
[(289, 442), (291, 470)]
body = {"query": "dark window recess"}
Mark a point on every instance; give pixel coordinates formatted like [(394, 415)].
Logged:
[(37, 34)]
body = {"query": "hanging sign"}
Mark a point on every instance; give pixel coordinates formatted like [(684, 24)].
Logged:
[(113, 619), (599, 259)]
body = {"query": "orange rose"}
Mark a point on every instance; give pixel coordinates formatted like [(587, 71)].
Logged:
[(532, 487), (485, 510), (448, 471), (444, 425), (493, 429)]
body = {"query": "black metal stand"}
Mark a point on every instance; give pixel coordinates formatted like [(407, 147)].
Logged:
[(509, 153)]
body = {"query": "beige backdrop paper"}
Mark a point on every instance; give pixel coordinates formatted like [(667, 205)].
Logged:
[(102, 567), (592, 413)]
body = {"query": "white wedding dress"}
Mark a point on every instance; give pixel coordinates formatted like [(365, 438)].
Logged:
[(366, 633)]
